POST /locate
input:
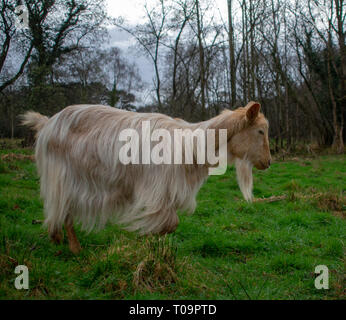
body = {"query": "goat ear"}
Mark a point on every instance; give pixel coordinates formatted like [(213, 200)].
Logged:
[(252, 111)]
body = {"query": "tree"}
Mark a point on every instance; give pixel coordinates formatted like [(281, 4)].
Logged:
[(124, 78), (231, 44), (149, 36), (10, 36), (88, 66), (324, 19), (201, 57), (184, 11), (57, 28)]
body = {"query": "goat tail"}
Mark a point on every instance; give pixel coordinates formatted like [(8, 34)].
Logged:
[(34, 120)]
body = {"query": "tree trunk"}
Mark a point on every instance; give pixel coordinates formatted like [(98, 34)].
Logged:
[(338, 143), (201, 59), (231, 54), (338, 138)]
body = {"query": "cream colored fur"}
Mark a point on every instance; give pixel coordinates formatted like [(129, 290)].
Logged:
[(82, 179)]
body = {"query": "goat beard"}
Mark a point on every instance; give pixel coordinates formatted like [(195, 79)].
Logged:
[(244, 177)]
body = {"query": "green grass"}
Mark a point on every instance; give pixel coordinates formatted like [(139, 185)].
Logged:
[(227, 249)]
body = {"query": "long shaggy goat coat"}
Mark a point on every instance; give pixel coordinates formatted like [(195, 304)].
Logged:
[(82, 179)]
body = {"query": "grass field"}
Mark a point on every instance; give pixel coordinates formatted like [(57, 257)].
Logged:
[(227, 249)]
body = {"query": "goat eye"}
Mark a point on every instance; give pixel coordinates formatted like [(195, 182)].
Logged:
[(260, 132)]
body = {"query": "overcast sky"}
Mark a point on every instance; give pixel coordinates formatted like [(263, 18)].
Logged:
[(133, 11)]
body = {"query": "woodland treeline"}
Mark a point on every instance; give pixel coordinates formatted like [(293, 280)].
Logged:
[(288, 54)]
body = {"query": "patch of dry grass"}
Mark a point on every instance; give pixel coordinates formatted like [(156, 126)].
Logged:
[(17, 156), (147, 264), (331, 201), (159, 265)]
